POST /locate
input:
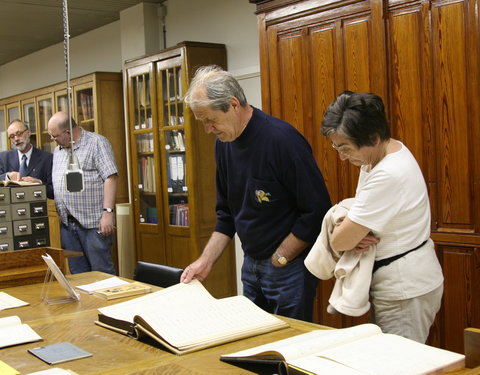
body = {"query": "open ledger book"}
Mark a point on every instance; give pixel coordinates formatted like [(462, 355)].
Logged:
[(185, 318), (13, 332), (357, 350)]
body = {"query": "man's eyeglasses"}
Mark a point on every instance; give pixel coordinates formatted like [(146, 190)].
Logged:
[(17, 134), (54, 137), (344, 150)]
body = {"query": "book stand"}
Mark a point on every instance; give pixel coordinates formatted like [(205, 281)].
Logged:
[(53, 272), (49, 279)]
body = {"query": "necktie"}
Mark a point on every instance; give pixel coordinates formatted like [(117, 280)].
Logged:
[(23, 166)]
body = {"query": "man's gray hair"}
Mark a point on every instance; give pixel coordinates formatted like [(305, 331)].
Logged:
[(219, 87)]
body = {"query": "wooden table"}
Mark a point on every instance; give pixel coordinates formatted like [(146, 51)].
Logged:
[(113, 353)]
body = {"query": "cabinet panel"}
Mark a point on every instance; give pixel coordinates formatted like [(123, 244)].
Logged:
[(461, 299), (454, 127)]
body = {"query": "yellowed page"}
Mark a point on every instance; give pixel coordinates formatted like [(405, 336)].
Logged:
[(308, 343), (394, 355), (186, 315)]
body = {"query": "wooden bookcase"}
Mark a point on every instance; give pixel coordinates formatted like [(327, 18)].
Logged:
[(172, 162), (97, 105)]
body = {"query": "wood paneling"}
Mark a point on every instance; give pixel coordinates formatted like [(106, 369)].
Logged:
[(422, 58)]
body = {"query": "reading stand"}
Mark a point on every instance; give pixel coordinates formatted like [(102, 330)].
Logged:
[(49, 279), (53, 272)]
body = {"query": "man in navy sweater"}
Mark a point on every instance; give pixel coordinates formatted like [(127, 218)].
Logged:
[(269, 191), (37, 164)]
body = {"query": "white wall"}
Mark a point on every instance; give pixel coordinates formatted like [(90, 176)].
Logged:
[(97, 50)]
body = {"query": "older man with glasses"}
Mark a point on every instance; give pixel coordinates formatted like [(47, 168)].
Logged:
[(25, 162)]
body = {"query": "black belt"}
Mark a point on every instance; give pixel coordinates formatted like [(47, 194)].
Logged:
[(387, 261), (71, 219)]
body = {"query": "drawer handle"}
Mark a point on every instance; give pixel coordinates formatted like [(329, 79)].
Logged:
[(3, 230), (38, 210), (20, 195), (21, 211), (39, 226), (41, 242), (37, 194), (3, 246), (22, 228), (23, 244), (3, 213), (2, 197)]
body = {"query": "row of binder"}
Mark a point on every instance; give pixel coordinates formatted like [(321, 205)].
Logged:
[(176, 171)]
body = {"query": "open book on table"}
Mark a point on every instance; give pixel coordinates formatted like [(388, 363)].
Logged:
[(13, 332), (18, 183), (357, 350), (185, 318)]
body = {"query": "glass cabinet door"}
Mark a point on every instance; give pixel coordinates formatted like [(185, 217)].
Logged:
[(61, 101), (145, 149), (85, 115), (13, 112), (174, 142), (45, 111), (28, 116)]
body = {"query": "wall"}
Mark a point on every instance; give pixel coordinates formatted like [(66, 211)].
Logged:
[(97, 50)]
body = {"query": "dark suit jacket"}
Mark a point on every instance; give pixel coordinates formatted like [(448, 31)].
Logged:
[(40, 166)]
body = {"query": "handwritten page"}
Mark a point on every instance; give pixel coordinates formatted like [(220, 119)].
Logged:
[(309, 343), (8, 302), (187, 315), (13, 332), (111, 282), (414, 358)]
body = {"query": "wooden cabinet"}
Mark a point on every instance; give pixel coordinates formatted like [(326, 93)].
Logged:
[(172, 162), (97, 105), (422, 57)]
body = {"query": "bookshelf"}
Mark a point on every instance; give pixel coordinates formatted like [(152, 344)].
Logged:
[(97, 105), (173, 165)]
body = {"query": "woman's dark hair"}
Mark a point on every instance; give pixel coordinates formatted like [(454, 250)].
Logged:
[(359, 117)]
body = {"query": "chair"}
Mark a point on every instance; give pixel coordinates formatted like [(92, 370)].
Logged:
[(157, 274)]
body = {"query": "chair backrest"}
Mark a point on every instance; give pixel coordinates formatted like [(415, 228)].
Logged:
[(157, 274)]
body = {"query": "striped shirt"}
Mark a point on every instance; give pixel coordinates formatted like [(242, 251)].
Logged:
[(97, 162)]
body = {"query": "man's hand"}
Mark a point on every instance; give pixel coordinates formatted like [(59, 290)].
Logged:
[(106, 227), (366, 242), (14, 176), (31, 179), (197, 270)]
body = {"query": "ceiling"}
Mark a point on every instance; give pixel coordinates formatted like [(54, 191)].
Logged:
[(27, 26)]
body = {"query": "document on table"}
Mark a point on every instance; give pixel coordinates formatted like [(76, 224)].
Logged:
[(111, 282), (8, 302)]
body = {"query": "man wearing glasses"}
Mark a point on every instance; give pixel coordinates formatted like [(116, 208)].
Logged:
[(25, 162)]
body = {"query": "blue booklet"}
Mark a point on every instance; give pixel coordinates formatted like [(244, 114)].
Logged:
[(58, 353)]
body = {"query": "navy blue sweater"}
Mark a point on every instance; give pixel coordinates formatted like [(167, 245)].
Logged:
[(268, 185)]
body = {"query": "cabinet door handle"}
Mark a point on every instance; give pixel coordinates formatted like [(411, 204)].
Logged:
[(20, 195)]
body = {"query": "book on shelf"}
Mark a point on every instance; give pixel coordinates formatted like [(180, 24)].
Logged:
[(14, 332), (357, 350), (186, 318), (126, 290)]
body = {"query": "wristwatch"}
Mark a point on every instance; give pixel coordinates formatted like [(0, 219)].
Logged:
[(281, 259), (109, 209)]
